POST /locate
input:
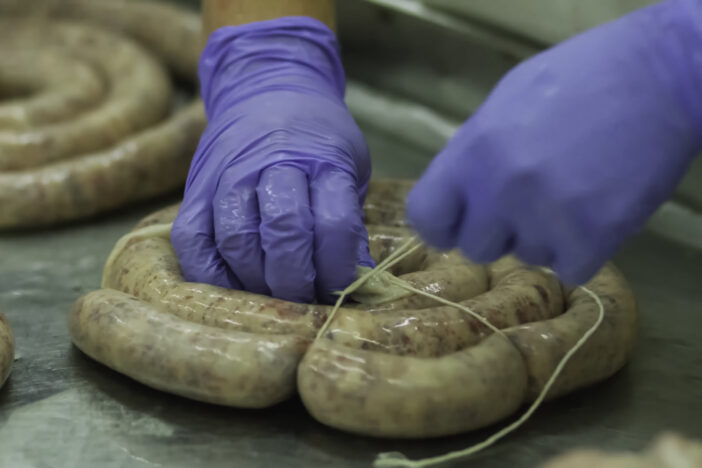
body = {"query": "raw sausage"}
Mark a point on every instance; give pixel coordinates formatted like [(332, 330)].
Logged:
[(88, 120), (150, 163), (544, 343), (185, 357), (517, 295), (60, 88), (382, 393), (668, 450), (396, 366)]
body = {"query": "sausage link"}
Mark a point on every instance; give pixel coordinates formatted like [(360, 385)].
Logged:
[(163, 216), (381, 394), (186, 358), (149, 270), (383, 241), (91, 128), (543, 344), (139, 93), (444, 274), (386, 395), (147, 164), (52, 88), (389, 370), (519, 296), (388, 192), (385, 202)]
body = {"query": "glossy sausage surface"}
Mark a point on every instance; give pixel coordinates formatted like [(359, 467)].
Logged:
[(402, 367)]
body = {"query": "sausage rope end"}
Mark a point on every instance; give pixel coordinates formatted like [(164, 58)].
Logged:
[(396, 459)]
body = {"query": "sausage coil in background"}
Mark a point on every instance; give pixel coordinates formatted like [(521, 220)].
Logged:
[(90, 114)]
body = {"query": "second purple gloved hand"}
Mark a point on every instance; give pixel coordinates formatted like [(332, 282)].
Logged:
[(273, 199), (574, 149)]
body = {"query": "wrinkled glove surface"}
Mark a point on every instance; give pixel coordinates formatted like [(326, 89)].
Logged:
[(574, 148), (273, 199)]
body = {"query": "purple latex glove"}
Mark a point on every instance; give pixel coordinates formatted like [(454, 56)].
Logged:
[(574, 149), (274, 195)]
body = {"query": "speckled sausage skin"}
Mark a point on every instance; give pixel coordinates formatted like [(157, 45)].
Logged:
[(61, 87), (517, 295), (544, 343), (186, 358), (446, 274), (386, 395), (386, 208), (397, 367), (149, 163), (159, 281), (147, 271), (423, 373), (172, 33), (92, 108), (7, 349)]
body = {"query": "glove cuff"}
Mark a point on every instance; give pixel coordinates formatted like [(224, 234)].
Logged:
[(294, 53)]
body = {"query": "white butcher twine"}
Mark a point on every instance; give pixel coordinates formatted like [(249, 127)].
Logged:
[(367, 292)]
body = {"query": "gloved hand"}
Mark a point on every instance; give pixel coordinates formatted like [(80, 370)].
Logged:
[(574, 149), (273, 199)]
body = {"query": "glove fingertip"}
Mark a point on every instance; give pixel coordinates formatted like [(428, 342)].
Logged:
[(198, 257)]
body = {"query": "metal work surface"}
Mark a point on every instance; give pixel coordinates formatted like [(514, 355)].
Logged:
[(60, 409)]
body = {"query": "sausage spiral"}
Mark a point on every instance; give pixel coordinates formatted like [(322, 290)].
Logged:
[(399, 367)]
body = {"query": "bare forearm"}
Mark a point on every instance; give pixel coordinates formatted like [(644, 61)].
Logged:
[(219, 13)]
